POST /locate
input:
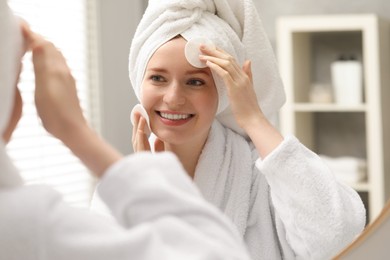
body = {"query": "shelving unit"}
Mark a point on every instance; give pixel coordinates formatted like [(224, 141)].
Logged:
[(306, 45)]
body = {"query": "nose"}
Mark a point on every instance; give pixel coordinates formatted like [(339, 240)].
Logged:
[(174, 95)]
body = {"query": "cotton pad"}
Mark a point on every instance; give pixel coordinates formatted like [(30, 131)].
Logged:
[(192, 51), (141, 110)]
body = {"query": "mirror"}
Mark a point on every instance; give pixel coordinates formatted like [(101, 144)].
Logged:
[(372, 242)]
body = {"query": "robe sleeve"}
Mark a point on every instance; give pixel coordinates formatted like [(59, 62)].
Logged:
[(159, 214), (320, 216)]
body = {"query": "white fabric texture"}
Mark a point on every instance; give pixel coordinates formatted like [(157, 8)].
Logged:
[(232, 25), (230, 188), (160, 215), (10, 58), (293, 206)]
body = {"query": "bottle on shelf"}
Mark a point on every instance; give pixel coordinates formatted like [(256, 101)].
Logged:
[(347, 80)]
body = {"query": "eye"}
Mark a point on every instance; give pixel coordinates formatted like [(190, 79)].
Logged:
[(157, 78), (196, 82)]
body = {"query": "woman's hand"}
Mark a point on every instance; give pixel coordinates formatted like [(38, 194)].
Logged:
[(140, 138), (243, 100), (239, 85), (55, 88), (59, 108)]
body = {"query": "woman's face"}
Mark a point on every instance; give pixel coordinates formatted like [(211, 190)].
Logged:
[(181, 100)]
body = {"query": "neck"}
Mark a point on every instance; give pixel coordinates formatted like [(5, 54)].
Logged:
[(188, 154)]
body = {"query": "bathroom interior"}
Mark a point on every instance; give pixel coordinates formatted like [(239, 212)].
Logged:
[(334, 59)]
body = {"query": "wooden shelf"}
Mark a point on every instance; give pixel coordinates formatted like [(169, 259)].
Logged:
[(311, 107), (301, 42), (360, 186)]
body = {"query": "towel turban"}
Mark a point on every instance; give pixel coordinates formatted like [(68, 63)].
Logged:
[(232, 25)]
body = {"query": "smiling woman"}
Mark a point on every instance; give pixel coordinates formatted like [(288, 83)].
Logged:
[(218, 122), (41, 158)]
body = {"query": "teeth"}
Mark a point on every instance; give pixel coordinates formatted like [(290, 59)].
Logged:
[(175, 116)]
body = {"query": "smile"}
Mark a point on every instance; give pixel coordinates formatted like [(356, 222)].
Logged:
[(174, 117)]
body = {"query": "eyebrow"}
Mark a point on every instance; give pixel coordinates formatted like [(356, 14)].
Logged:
[(189, 72), (157, 70), (198, 71)]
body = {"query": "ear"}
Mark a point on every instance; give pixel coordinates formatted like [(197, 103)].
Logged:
[(15, 116)]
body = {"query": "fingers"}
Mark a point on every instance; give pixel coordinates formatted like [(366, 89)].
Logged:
[(40, 46), (56, 97), (45, 54), (222, 59), (247, 68), (139, 138), (141, 126), (135, 127), (238, 82), (223, 64), (25, 29), (49, 66), (31, 38)]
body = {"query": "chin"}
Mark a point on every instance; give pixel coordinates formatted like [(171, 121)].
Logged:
[(172, 138)]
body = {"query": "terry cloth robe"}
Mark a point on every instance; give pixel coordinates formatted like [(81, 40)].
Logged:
[(159, 213), (287, 206)]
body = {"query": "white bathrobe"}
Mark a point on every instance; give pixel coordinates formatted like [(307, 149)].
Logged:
[(159, 213), (288, 206)]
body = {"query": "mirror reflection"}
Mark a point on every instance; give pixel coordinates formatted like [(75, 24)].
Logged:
[(280, 122)]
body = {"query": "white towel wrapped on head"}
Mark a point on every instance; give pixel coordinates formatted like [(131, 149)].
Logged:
[(231, 25)]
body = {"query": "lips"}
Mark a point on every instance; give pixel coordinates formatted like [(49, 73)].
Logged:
[(173, 118)]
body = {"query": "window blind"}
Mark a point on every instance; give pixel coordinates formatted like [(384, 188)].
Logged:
[(40, 157)]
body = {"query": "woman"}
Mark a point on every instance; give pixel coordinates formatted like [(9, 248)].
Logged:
[(282, 198)]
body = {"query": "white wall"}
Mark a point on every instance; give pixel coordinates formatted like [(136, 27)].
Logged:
[(118, 20)]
